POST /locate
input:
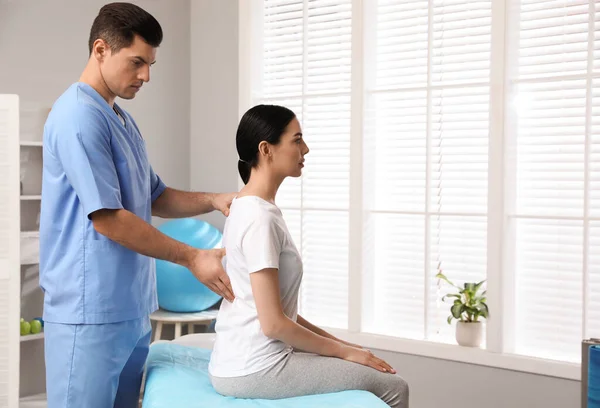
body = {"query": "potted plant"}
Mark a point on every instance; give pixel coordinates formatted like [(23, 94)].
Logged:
[(468, 307)]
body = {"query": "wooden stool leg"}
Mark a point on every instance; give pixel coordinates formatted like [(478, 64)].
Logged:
[(158, 332), (190, 328), (177, 330)]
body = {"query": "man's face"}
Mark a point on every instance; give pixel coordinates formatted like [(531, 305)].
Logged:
[(127, 70)]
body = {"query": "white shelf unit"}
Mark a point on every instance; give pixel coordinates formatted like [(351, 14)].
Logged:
[(9, 251), (31, 144), (31, 337), (32, 375)]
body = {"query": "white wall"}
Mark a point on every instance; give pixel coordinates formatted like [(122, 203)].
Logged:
[(438, 383), (214, 85), (43, 49)]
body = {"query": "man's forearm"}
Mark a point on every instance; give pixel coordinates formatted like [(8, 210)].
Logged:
[(137, 235), (182, 204)]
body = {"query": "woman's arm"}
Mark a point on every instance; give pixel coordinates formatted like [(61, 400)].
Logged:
[(317, 330), (275, 324)]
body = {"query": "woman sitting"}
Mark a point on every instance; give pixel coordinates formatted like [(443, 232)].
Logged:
[(263, 348)]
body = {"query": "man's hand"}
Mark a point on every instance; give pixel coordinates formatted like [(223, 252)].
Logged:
[(222, 202), (207, 267)]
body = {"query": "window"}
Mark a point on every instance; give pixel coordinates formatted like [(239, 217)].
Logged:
[(427, 73), (554, 73), (306, 67), (403, 104)]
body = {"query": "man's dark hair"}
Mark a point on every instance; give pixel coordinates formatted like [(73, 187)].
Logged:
[(118, 23)]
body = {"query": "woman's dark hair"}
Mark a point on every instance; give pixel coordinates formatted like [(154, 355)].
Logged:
[(260, 123), (118, 23)]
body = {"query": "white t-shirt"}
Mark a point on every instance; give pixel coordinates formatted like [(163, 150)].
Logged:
[(255, 237)]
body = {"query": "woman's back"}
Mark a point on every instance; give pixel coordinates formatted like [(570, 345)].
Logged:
[(255, 238)]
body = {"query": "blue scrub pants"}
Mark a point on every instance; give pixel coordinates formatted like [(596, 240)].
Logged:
[(96, 365)]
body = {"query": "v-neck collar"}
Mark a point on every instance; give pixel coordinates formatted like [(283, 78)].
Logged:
[(119, 112), (87, 88)]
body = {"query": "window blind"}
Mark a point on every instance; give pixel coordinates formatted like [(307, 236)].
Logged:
[(307, 67), (556, 262), (425, 159), (425, 98)]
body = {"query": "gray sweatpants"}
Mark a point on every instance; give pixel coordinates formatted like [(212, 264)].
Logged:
[(306, 374)]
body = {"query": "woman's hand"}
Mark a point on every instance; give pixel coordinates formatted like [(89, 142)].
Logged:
[(365, 357)]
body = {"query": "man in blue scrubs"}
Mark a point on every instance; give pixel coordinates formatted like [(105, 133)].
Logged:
[(97, 245)]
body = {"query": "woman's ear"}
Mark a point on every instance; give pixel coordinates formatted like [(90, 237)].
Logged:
[(264, 149)]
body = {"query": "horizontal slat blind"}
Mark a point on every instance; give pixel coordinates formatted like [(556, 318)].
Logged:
[(407, 239), (395, 151), (459, 250), (596, 62), (394, 265), (425, 159), (593, 291), (551, 146), (594, 165), (459, 150), (553, 37), (283, 43), (548, 288), (395, 167), (400, 32), (593, 315), (461, 41), (307, 67), (552, 216)]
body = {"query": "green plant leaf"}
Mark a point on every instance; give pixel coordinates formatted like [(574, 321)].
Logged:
[(450, 295), (483, 309), (443, 277), (468, 304), (478, 286), (457, 310), (471, 309)]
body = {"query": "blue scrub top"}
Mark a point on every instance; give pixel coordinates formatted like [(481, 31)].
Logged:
[(91, 161)]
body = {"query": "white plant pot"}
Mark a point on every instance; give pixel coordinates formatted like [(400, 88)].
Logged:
[(469, 334)]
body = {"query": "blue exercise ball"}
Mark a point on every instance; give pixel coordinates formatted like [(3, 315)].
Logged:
[(178, 289)]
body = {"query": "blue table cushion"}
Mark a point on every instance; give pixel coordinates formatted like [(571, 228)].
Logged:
[(177, 377)]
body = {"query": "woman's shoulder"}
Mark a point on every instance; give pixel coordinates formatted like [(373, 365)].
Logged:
[(249, 213), (254, 208)]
